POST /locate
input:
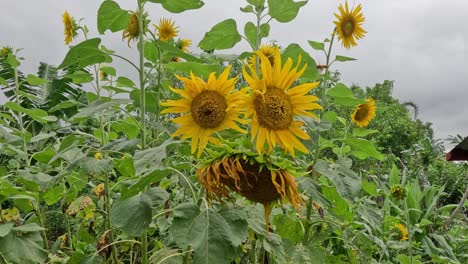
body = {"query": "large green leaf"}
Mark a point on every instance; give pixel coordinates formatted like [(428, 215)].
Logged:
[(363, 148), (293, 51), (24, 248), (342, 95), (85, 53), (179, 5), (346, 181), (97, 107), (111, 17), (199, 69), (223, 35), (158, 50), (39, 115), (250, 32), (132, 215), (149, 160), (284, 10), (206, 231)]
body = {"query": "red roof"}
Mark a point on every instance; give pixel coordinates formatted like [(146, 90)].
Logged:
[(460, 152)]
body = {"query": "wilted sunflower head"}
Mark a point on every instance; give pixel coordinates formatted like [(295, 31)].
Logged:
[(398, 192), (403, 231), (166, 29), (255, 178), (69, 27), (349, 25), (206, 108), (364, 113), (133, 28), (274, 104), (268, 50)]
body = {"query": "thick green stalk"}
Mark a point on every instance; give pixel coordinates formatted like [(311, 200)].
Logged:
[(408, 225), (144, 238)]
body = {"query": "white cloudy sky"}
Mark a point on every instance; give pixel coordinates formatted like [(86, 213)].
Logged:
[(420, 44)]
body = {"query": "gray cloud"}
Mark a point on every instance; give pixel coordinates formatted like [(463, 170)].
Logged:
[(421, 44)]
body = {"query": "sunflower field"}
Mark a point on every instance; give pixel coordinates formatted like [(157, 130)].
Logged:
[(262, 157)]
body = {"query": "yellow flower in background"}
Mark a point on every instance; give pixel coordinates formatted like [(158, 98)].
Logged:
[(102, 76), (398, 192), (268, 51), (98, 155), (206, 108), (5, 51), (274, 104), (10, 215), (133, 28), (403, 231), (166, 29), (185, 44), (69, 27), (349, 25), (364, 113), (99, 190)]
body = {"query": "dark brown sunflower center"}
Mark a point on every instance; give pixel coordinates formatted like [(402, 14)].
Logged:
[(208, 109), (133, 26), (347, 27), (361, 113), (274, 109)]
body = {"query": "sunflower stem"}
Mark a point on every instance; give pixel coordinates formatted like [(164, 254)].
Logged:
[(144, 238), (408, 224)]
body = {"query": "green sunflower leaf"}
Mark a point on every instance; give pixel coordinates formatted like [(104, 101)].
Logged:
[(34, 80), (39, 115), (293, 51), (344, 58), (363, 148), (111, 17), (24, 248), (256, 2), (179, 5), (284, 10), (250, 32), (132, 215), (157, 50), (85, 53), (316, 45), (247, 9), (223, 35)]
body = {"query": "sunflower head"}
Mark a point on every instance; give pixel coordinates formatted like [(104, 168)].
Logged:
[(166, 29), (364, 113), (103, 76), (184, 44), (255, 179), (349, 25), (274, 104), (206, 107), (403, 231), (69, 27), (268, 51), (133, 28), (398, 192), (99, 190), (4, 51)]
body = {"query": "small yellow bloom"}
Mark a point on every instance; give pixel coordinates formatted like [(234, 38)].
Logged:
[(99, 190), (364, 113), (98, 155), (349, 25), (166, 29), (403, 231), (102, 76), (69, 27), (398, 192), (10, 215), (185, 44), (5, 51), (268, 51)]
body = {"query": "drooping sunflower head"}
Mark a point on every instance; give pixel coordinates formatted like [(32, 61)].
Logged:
[(69, 27), (364, 113), (274, 104), (403, 231), (166, 29), (349, 25), (102, 75), (133, 28), (206, 108), (185, 44), (267, 50), (255, 179)]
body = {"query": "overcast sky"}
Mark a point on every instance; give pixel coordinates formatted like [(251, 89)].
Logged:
[(420, 44)]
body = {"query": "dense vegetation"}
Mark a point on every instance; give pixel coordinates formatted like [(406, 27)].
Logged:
[(98, 168)]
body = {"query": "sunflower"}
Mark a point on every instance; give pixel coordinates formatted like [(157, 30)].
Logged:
[(398, 192), (185, 44), (206, 108), (348, 26), (364, 113), (268, 51), (250, 176), (69, 27), (403, 231), (133, 28), (274, 104), (166, 29), (4, 51)]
